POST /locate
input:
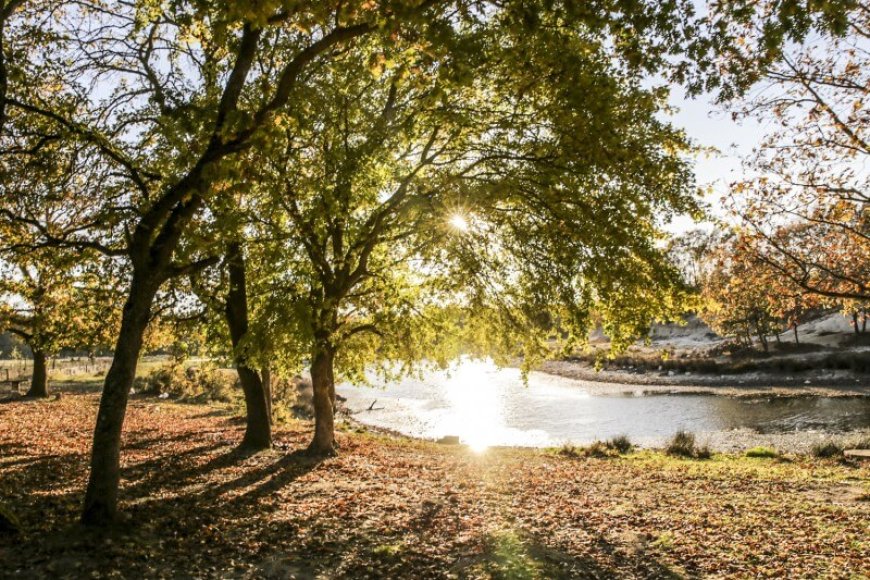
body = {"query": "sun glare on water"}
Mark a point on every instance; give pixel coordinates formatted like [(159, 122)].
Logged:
[(476, 405)]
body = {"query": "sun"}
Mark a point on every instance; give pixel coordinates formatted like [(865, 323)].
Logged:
[(458, 222)]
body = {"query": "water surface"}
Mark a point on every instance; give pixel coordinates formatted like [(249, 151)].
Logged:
[(487, 406)]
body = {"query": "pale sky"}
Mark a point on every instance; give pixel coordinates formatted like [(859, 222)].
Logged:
[(708, 125)]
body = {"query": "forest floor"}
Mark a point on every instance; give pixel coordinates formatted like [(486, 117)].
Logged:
[(389, 507)]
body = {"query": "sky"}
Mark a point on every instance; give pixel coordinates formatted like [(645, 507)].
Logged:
[(709, 126)]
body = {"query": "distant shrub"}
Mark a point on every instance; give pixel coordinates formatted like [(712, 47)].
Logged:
[(762, 452), (682, 444), (620, 443), (597, 449), (827, 449), (704, 452), (200, 383), (570, 451)]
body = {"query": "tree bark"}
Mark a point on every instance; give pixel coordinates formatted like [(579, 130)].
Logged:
[(266, 377), (332, 382), (101, 497), (855, 322), (324, 405), (258, 430), (796, 339), (39, 379), (763, 339)]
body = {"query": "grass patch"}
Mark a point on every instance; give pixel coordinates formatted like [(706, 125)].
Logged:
[(508, 558), (665, 541), (762, 452), (596, 449), (388, 551), (510, 555)]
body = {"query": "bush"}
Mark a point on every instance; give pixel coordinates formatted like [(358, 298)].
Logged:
[(597, 449), (570, 451), (620, 443), (200, 383), (704, 452), (682, 444), (827, 449), (762, 452)]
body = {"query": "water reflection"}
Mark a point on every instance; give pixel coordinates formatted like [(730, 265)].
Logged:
[(487, 406)]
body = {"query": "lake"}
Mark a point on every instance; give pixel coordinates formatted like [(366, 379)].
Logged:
[(487, 406)]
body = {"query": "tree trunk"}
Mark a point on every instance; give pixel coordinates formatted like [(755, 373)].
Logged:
[(796, 339), (39, 380), (266, 378), (101, 497), (763, 339), (324, 407), (258, 430), (332, 383), (863, 323), (855, 322)]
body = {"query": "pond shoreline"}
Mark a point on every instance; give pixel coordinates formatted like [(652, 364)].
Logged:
[(734, 441), (603, 382)]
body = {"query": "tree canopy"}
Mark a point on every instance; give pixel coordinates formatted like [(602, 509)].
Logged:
[(364, 184)]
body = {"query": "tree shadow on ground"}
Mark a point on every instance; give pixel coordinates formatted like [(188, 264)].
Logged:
[(228, 522)]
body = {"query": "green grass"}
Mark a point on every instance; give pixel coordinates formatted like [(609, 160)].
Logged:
[(762, 452), (511, 556)]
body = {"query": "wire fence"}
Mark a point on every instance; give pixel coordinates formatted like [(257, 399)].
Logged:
[(22, 369)]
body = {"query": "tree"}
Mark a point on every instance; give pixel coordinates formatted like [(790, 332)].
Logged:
[(178, 100), (54, 300), (230, 312), (51, 297), (166, 98), (737, 294), (807, 204), (414, 217), (8, 9), (691, 253)]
